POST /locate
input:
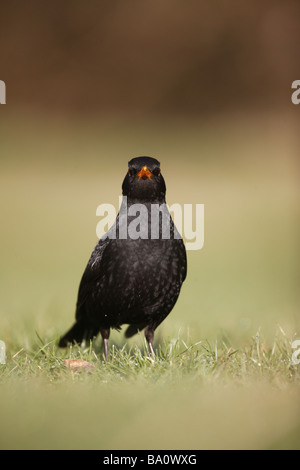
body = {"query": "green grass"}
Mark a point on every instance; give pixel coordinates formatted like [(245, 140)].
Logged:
[(191, 396), (223, 375), (175, 360)]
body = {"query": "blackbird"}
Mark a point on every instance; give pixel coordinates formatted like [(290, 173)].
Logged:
[(136, 270)]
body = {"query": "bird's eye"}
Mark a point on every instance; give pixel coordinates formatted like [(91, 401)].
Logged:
[(156, 171), (131, 171)]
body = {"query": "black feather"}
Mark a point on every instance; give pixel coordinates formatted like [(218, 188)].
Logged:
[(133, 281)]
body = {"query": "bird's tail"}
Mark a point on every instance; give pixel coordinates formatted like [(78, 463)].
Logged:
[(78, 333), (134, 329)]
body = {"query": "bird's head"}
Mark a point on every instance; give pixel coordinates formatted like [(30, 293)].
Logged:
[(144, 180)]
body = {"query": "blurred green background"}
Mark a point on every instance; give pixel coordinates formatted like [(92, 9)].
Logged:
[(54, 175), (204, 87)]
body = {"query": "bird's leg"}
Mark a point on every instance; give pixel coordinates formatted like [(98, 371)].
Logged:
[(105, 335), (149, 335)]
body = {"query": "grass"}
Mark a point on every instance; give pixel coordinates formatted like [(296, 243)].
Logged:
[(174, 361), (223, 375), (191, 396)]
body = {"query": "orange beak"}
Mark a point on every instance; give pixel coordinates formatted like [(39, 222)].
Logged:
[(145, 172)]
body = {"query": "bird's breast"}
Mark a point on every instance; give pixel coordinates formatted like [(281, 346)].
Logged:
[(139, 271)]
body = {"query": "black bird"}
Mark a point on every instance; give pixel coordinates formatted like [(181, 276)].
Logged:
[(136, 270)]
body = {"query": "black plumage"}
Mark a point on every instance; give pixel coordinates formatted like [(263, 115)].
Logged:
[(132, 277)]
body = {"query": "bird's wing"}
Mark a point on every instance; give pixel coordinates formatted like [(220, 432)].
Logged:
[(183, 264), (92, 273)]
